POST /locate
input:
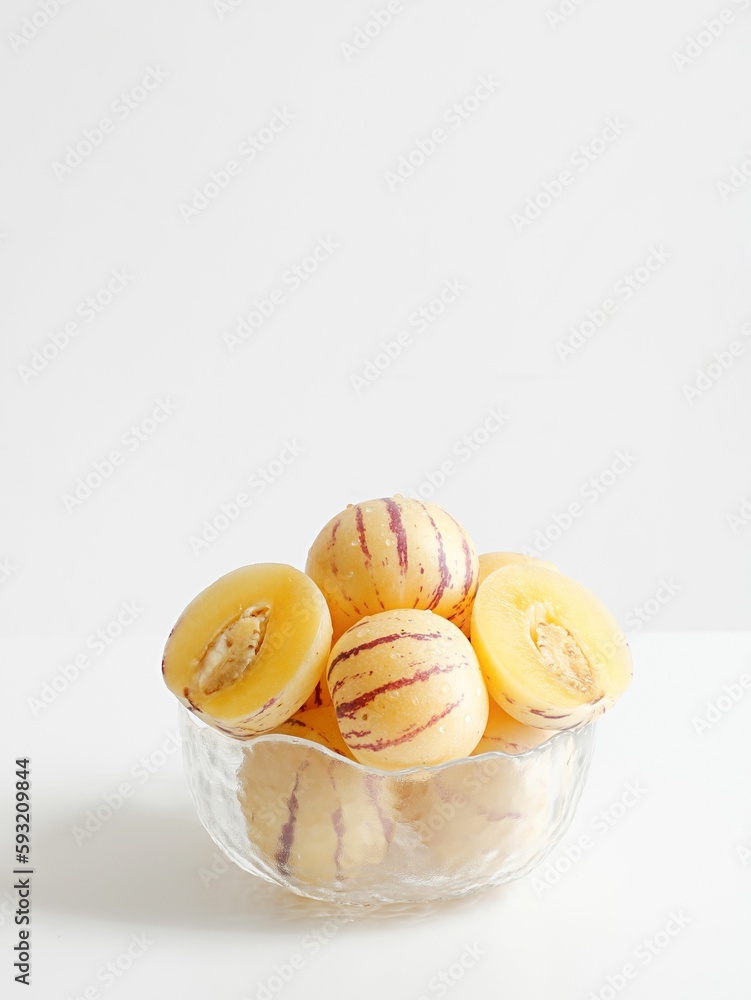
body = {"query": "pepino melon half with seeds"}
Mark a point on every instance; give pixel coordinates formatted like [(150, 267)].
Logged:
[(552, 654), (249, 650)]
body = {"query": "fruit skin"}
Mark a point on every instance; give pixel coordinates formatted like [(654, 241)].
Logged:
[(320, 696), (318, 725), (514, 609), (491, 561), (474, 815), (394, 553), (311, 817), (289, 660), (407, 690), (504, 733)]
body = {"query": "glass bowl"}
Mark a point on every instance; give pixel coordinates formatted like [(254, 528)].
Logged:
[(304, 817)]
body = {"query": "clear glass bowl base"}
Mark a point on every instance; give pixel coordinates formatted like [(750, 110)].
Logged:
[(310, 820)]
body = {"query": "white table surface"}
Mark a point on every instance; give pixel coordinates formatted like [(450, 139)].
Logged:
[(678, 844)]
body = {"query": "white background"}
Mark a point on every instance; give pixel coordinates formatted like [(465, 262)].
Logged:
[(661, 537)]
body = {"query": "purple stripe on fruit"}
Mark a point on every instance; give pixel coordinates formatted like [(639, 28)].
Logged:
[(349, 709), (410, 734)]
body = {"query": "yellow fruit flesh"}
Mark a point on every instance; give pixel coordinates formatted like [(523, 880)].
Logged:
[(248, 650), (491, 561), (504, 733), (320, 696), (552, 655), (318, 725)]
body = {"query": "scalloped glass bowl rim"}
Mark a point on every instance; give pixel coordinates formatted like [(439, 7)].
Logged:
[(585, 729)]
